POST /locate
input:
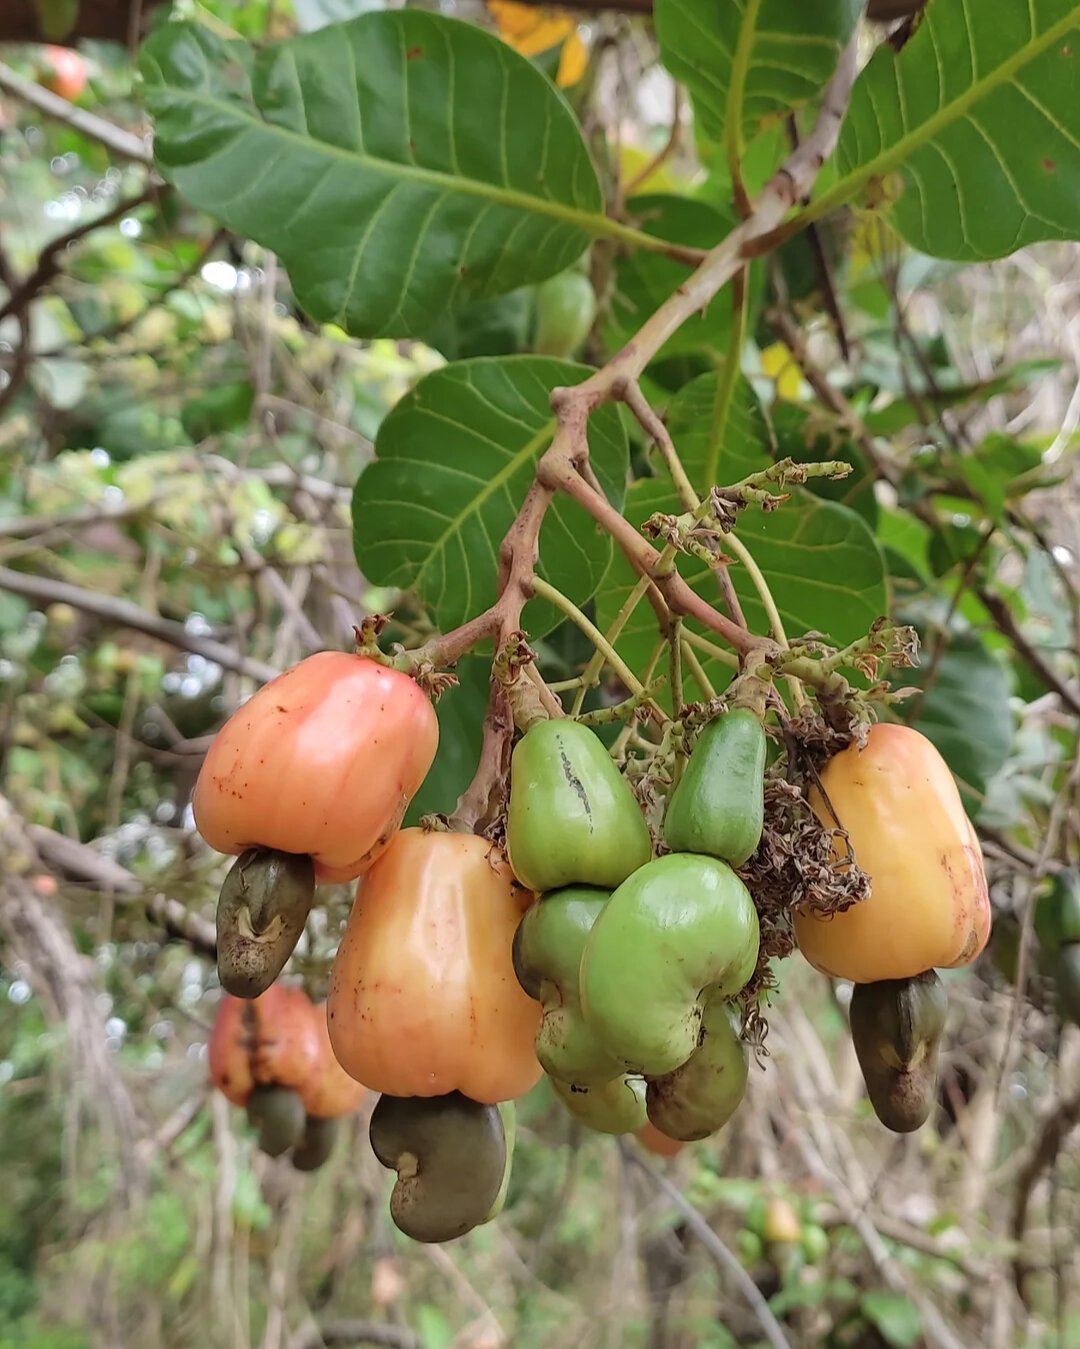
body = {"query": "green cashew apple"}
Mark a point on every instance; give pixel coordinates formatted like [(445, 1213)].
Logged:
[(701, 1095), (450, 1156), (718, 805), (615, 1107), (547, 957), (896, 1027), (572, 818), (565, 309), (680, 932)]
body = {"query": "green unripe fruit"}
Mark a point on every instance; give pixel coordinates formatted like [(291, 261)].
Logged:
[(263, 906), (277, 1114), (896, 1027), (815, 1243), (749, 1245), (701, 1095), (616, 1107), (718, 806), (572, 818), (547, 957), (565, 309), (679, 933)]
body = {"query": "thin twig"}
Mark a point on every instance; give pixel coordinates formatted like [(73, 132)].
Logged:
[(122, 143)]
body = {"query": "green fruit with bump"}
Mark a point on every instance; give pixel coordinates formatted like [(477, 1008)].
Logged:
[(547, 958), (316, 1143), (572, 818), (263, 906), (681, 932), (896, 1027), (701, 1095), (718, 805), (450, 1156), (615, 1107), (1057, 913)]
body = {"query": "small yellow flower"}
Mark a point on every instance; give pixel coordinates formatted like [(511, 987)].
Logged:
[(779, 365), (532, 31)]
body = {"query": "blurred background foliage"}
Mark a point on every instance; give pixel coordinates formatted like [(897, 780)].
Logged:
[(178, 446)]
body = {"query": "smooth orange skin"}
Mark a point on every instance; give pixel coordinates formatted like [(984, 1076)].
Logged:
[(322, 760), (65, 72), (423, 996), (929, 907), (270, 1040), (330, 1092), (652, 1140)]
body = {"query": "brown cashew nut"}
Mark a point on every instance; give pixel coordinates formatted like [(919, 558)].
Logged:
[(278, 1116), (316, 1143), (896, 1027), (263, 906), (450, 1156)]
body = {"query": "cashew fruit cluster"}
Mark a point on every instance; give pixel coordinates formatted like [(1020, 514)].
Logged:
[(634, 959), (894, 804), (307, 783), (271, 1055)]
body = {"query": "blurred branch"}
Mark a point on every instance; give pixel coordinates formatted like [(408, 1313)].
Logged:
[(1056, 1128), (726, 1259), (350, 1333), (127, 615), (123, 144), (79, 862), (38, 935)]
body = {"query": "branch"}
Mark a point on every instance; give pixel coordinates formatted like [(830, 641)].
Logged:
[(122, 143), (770, 1326), (350, 1334), (127, 615), (1056, 1128)]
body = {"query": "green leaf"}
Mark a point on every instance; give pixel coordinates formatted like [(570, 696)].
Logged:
[(454, 460), (789, 57), (643, 281), (977, 116), (819, 558), (894, 1316), (965, 709), (402, 165), (461, 720)]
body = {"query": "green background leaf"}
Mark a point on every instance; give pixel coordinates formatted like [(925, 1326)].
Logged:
[(820, 558), (791, 56), (401, 164), (454, 460), (461, 720), (977, 114)]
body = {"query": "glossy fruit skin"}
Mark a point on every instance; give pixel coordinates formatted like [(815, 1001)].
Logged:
[(263, 906), (701, 1095), (329, 1092), (450, 1155), (278, 1116), (323, 760), (1057, 913), (271, 1040), (718, 805), (679, 932), (929, 907), (896, 1027), (423, 996), (65, 72), (572, 819), (547, 958), (615, 1107), (565, 309), (652, 1140)]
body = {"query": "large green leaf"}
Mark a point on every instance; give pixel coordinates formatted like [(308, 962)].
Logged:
[(461, 713), (454, 460), (979, 115), (819, 557), (402, 165), (643, 281), (782, 62)]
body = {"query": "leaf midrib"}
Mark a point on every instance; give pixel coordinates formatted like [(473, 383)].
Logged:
[(924, 133), (600, 226)]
